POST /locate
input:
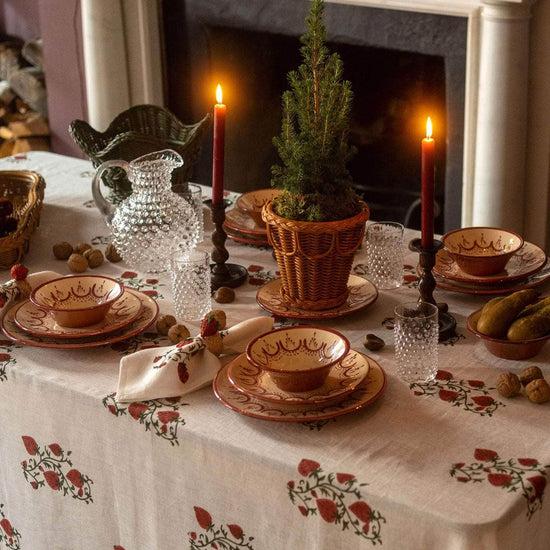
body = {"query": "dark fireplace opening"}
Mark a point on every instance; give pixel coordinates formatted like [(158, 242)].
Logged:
[(395, 89)]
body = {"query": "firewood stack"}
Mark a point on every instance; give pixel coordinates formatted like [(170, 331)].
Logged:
[(23, 101)]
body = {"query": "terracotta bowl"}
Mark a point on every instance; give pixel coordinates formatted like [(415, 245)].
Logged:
[(252, 202), (506, 349), (298, 358), (77, 300), (482, 250)]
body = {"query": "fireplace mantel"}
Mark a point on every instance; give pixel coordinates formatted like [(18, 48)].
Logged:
[(505, 166)]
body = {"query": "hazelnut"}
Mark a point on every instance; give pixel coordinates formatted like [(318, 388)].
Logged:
[(224, 295), (111, 253), (508, 384), (62, 250), (164, 323), (80, 248), (538, 391), (77, 263), (220, 316), (529, 374), (177, 333), (373, 342), (94, 257)]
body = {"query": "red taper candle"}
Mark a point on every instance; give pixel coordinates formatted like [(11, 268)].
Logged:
[(219, 146), (427, 221)]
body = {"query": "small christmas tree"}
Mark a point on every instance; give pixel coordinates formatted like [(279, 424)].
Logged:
[(313, 144)]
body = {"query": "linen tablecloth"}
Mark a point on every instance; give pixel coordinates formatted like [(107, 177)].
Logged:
[(449, 464)]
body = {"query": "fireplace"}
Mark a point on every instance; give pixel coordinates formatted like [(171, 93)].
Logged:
[(402, 66)]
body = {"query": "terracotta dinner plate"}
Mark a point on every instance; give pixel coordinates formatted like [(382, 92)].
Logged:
[(242, 222)]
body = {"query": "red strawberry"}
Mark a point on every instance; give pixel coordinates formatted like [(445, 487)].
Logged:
[(34, 484), (361, 510), (327, 509), (459, 464), (112, 409), (136, 409), (483, 400), (128, 275), (75, 477), (447, 395), (410, 279), (462, 479), (485, 454), (528, 461), (4, 356), (203, 517), (24, 463), (19, 272), (150, 293), (291, 484), (183, 373), (117, 547), (193, 535), (344, 478), (303, 510), (236, 531), (476, 383), (52, 479), (539, 484), (209, 326), (307, 466), (30, 444), (256, 281), (167, 416), (6, 525), (498, 480), (151, 281), (55, 449), (252, 268), (443, 375)]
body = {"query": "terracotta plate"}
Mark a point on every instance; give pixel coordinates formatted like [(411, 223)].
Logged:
[(362, 293), (245, 238), (239, 221), (367, 392)]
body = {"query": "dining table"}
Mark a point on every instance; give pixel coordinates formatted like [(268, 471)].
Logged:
[(445, 464)]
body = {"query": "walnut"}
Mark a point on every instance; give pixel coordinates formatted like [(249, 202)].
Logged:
[(214, 343), (508, 384), (111, 253), (62, 250), (177, 333), (77, 263), (224, 295), (220, 316), (164, 322), (538, 391), (373, 342), (529, 374), (80, 248), (94, 257)]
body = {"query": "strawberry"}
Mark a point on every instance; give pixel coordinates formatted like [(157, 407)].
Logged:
[(485, 454), (462, 479), (55, 449), (252, 268), (303, 510), (167, 416), (307, 466), (75, 477), (327, 509), (476, 383), (361, 510), (52, 479), (112, 409), (150, 293), (19, 272), (5, 356), (344, 478), (447, 395), (30, 444), (443, 375), (137, 409), (528, 461), (193, 535), (203, 517), (483, 400), (236, 531), (183, 373), (128, 275), (34, 484), (498, 480), (290, 484), (539, 484), (6, 525), (209, 326)]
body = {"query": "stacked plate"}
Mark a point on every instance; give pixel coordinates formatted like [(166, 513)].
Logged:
[(131, 314), (353, 383), (527, 268)]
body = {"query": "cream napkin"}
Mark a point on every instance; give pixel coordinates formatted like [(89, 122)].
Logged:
[(176, 370)]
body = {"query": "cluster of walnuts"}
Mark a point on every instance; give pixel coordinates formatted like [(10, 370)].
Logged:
[(530, 378), (83, 255)]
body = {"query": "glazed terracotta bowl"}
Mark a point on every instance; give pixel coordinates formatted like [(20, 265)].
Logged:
[(507, 349), (482, 251), (252, 202), (298, 358), (77, 300)]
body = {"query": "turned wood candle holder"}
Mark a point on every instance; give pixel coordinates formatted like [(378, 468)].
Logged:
[(222, 273), (426, 286)]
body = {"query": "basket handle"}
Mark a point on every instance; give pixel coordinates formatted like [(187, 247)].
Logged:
[(105, 207)]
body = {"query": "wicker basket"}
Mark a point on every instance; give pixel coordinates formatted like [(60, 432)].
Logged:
[(315, 258), (140, 130), (26, 191)]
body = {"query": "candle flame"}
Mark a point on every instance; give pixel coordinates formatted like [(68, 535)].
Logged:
[(429, 128), (219, 94)]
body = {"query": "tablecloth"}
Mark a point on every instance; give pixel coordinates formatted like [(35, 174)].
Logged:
[(447, 464)]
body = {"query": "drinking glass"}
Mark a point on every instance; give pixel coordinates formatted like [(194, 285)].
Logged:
[(416, 334), (190, 274), (193, 195), (385, 254)]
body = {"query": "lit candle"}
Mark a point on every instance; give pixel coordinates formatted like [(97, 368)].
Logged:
[(427, 216), (219, 145)]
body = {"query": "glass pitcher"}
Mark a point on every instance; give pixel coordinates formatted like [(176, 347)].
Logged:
[(153, 221)]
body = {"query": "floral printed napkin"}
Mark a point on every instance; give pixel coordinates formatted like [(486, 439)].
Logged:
[(176, 370)]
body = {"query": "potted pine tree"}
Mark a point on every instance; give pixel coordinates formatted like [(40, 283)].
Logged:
[(318, 221)]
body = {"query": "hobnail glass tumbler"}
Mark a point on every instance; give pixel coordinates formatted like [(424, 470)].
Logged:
[(385, 254), (416, 334), (190, 274)]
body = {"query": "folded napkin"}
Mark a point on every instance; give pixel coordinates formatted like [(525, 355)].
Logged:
[(176, 370)]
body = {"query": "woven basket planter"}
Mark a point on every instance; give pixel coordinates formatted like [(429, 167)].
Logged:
[(315, 258)]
